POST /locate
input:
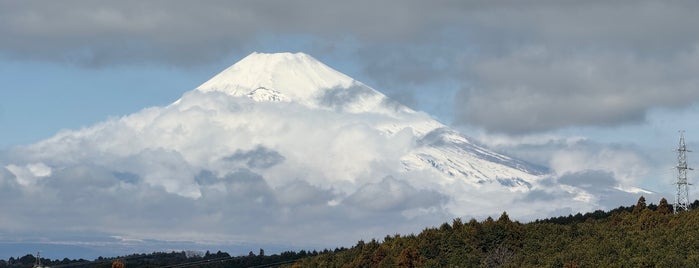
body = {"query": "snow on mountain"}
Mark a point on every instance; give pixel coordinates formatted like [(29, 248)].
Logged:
[(302, 79), (298, 76), (274, 142)]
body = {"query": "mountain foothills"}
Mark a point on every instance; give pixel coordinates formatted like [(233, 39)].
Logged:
[(642, 235), (275, 142)]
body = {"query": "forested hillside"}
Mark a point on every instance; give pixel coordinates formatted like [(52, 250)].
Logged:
[(636, 236)]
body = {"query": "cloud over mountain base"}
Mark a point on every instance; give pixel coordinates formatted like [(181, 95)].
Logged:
[(318, 166)]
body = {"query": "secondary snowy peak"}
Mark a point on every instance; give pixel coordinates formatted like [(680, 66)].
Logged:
[(278, 77)]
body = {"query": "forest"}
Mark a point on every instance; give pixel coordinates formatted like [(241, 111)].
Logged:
[(641, 235), (637, 236)]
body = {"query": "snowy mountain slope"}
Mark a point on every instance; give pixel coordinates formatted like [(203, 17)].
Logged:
[(301, 79)]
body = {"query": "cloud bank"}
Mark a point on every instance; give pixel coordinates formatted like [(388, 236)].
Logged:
[(224, 170)]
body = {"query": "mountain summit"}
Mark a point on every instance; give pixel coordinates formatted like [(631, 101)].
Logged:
[(297, 75), (294, 77)]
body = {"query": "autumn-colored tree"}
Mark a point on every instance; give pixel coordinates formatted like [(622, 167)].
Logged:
[(379, 254), (118, 264), (409, 258)]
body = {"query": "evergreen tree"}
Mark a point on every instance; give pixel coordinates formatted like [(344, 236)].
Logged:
[(640, 205), (664, 207)]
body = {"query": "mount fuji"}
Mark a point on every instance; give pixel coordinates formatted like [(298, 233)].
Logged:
[(302, 80), (276, 149)]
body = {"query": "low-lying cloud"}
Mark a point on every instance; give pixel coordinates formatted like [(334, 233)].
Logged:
[(217, 169)]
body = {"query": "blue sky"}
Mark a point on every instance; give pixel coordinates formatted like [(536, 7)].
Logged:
[(576, 86)]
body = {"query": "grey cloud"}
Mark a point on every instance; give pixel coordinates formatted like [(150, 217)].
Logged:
[(591, 179), (5, 174), (551, 65), (393, 194), (615, 198), (259, 157), (8, 184), (544, 89), (101, 33), (601, 184), (338, 98), (86, 175), (93, 200), (647, 26), (95, 33), (300, 192), (156, 167), (548, 182), (245, 183), (183, 32), (416, 63), (206, 177), (545, 196), (90, 200), (415, 73), (396, 104), (127, 177)]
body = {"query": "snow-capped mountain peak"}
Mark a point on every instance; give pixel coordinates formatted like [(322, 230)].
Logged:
[(274, 142), (301, 79), (278, 77)]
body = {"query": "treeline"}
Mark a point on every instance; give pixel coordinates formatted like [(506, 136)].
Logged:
[(600, 214), (29, 261), (637, 236), (172, 260)]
